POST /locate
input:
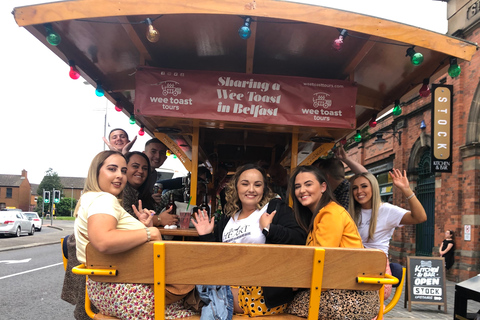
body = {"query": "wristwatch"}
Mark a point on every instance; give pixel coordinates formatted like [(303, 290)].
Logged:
[(265, 231)]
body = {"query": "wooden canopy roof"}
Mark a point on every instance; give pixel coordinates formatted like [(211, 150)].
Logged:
[(107, 41)]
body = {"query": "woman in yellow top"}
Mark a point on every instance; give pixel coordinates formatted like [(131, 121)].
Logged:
[(328, 224)]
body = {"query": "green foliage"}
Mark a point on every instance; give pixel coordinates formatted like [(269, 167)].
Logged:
[(65, 207), (50, 181)]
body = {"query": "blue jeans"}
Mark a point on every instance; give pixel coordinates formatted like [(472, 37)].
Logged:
[(218, 302)]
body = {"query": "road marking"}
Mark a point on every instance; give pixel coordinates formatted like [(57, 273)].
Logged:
[(15, 261), (28, 271)]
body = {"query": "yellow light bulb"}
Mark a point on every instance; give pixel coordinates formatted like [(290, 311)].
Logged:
[(152, 33)]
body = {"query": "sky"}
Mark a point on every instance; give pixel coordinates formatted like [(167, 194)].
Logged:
[(48, 120)]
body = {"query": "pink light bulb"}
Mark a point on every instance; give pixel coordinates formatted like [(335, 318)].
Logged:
[(118, 108), (74, 74), (141, 132), (338, 43)]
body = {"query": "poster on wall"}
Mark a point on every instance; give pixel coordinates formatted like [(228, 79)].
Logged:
[(442, 127), (426, 281), (251, 98)]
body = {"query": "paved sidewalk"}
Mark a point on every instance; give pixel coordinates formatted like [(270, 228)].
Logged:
[(426, 311)]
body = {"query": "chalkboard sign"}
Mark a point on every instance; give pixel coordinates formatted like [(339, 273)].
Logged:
[(426, 281)]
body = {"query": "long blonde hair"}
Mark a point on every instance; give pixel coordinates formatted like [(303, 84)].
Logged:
[(91, 183), (233, 204), (355, 208)]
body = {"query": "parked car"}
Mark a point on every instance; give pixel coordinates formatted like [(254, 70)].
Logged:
[(15, 223), (37, 221)]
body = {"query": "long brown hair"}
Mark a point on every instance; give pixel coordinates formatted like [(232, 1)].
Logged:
[(303, 215), (234, 204), (355, 209)]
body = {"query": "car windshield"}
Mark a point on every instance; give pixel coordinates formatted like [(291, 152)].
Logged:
[(30, 215)]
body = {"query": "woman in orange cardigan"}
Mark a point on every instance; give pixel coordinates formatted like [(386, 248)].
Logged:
[(328, 224)]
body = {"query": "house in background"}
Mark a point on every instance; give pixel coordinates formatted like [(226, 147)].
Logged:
[(15, 191), (72, 187)]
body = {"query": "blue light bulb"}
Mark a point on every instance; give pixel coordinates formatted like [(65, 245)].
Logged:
[(244, 32), (99, 91)]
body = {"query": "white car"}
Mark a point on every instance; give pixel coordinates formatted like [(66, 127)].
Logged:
[(15, 223), (37, 221)]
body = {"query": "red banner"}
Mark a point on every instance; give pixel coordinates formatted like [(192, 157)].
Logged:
[(251, 98)]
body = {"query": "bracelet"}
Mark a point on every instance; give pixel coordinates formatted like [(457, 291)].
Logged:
[(148, 234), (411, 196)]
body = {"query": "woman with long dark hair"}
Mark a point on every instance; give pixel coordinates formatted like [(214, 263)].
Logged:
[(328, 224)]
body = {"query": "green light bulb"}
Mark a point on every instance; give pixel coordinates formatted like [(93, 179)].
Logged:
[(357, 137), (417, 59), (397, 110), (132, 119), (52, 37), (454, 70)]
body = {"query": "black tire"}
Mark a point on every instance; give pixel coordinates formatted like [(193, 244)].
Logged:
[(32, 231), (39, 229), (18, 233)]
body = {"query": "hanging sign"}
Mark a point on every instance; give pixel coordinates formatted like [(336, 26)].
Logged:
[(251, 98), (426, 281), (442, 128)]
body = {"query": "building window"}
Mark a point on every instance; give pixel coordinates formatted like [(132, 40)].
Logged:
[(386, 185), (9, 193)]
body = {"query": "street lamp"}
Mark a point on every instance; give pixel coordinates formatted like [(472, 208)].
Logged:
[(379, 137)]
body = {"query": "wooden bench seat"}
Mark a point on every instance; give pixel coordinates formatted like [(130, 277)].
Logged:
[(174, 262)]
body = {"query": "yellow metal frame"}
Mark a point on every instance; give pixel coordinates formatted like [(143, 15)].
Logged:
[(397, 295), (81, 269), (388, 279), (370, 280), (88, 304), (159, 279), (316, 284)]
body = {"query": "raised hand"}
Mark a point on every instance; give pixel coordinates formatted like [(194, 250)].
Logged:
[(399, 180), (202, 223), (144, 215)]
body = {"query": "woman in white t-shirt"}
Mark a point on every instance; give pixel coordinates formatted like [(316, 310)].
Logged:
[(376, 220), (102, 222), (253, 215)]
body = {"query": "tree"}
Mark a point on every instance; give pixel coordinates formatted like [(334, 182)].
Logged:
[(65, 207), (50, 181)]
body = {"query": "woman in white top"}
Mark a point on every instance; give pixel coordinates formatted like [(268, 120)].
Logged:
[(253, 215), (376, 220), (102, 222)]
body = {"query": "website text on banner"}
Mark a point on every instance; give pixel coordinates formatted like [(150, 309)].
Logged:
[(248, 98)]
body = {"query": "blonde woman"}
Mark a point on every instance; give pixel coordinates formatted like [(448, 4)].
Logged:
[(102, 222), (377, 220)]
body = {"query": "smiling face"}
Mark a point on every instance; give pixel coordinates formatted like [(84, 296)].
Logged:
[(308, 190), (112, 176), (157, 153), (118, 138), (362, 192), (137, 170), (250, 188)]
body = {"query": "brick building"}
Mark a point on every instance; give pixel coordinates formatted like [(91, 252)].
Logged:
[(452, 200), (15, 191)]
